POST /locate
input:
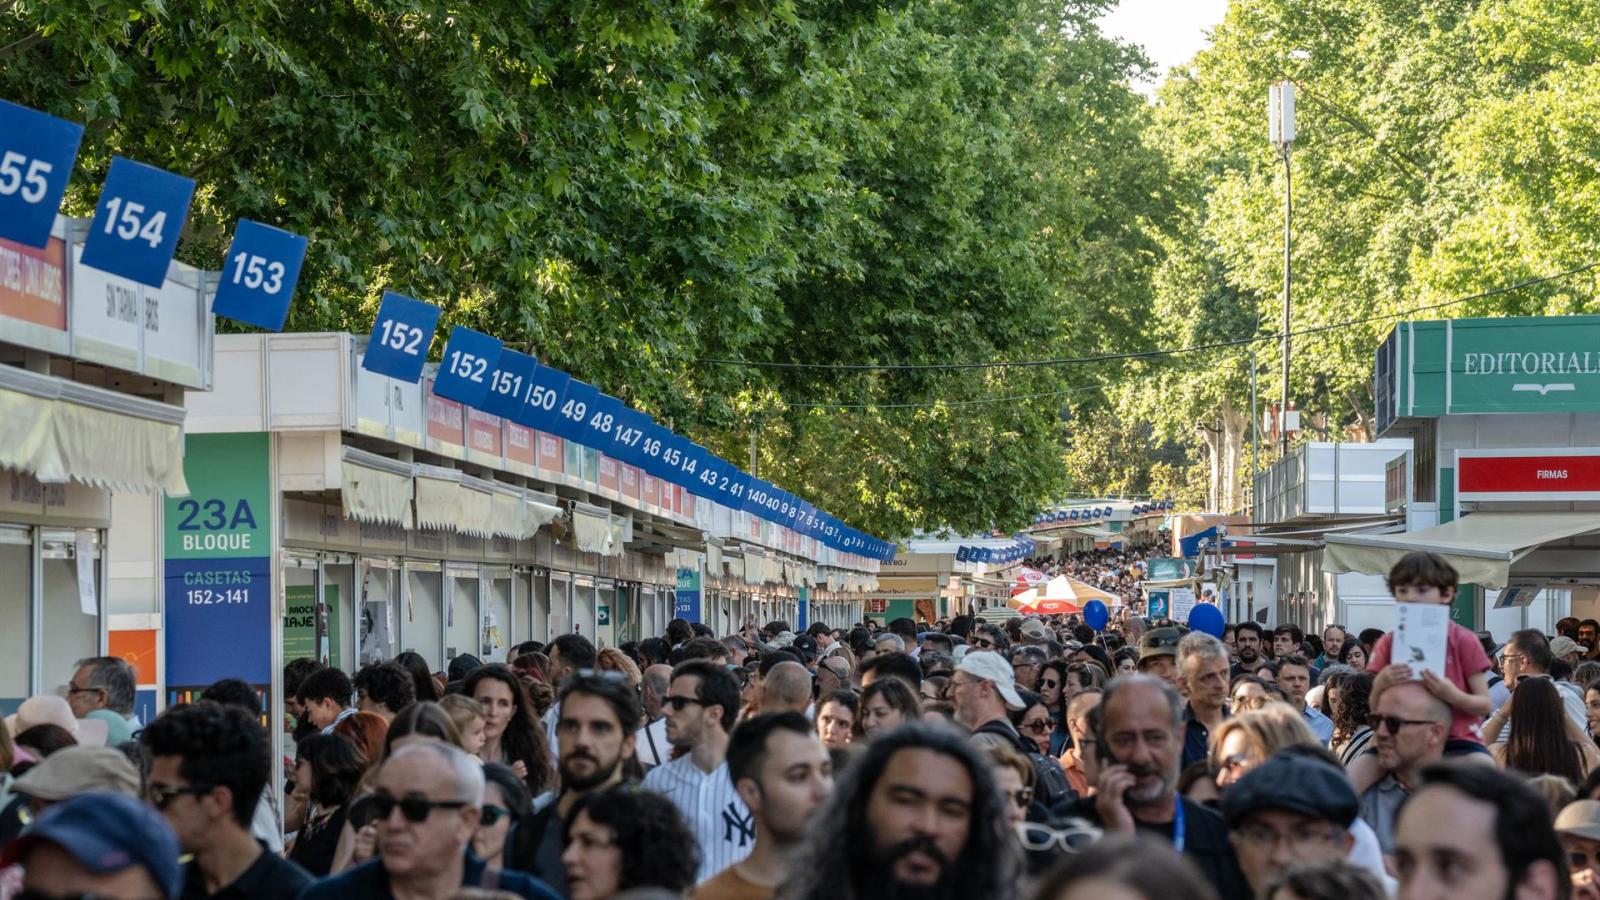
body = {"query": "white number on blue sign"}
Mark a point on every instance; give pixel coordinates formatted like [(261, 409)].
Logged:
[(254, 272), (24, 177), (127, 221), (402, 337)]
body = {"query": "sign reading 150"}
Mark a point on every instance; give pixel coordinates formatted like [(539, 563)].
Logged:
[(216, 517)]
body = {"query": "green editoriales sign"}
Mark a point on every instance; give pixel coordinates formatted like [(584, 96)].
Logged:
[(300, 623)]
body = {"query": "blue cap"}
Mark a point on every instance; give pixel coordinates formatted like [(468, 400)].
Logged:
[(106, 832)]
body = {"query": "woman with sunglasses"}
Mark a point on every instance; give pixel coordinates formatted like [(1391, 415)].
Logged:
[(327, 768), (1033, 721), (1014, 775), (505, 802)]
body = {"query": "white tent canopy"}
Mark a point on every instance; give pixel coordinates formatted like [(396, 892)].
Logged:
[(1482, 546)]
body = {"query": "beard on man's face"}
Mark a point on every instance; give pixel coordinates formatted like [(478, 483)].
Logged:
[(888, 885), (594, 775)]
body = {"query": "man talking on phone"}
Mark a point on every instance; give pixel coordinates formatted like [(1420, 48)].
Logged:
[(1140, 744)]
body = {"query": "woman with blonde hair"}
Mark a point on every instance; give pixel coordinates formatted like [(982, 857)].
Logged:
[(1243, 742), (613, 660)]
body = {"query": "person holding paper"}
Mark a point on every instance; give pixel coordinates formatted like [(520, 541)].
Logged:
[(1423, 577)]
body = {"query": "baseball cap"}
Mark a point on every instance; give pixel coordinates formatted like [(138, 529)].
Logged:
[(71, 771), (1580, 818), (993, 668), (106, 832), (1158, 642), (1034, 629), (1295, 783), (1563, 645), (806, 645)]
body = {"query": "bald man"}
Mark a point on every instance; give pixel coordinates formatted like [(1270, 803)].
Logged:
[(650, 743), (1409, 732), (787, 688)]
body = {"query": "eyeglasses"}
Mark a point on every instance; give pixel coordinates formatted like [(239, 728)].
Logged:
[(74, 689), (493, 814), (1039, 726), (1236, 761), (678, 703), (414, 808), (1076, 836), (1300, 838), (1394, 723), (1021, 796), (983, 643), (160, 795)]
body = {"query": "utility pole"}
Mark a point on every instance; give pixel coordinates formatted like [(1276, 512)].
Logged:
[(1255, 432), (1280, 127)]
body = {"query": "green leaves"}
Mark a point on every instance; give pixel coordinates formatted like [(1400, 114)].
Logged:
[(629, 187)]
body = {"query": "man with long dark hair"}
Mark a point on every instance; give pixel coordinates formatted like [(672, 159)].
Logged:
[(599, 715), (916, 817)]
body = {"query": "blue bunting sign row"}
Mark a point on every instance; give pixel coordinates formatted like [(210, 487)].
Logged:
[(478, 371), (134, 233), (137, 220)]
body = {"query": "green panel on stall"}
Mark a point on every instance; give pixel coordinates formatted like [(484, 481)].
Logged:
[(300, 626), (1464, 609)]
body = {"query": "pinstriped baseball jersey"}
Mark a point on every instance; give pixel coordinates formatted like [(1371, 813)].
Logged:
[(723, 826)]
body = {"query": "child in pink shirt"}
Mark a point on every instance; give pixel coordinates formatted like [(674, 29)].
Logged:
[(1422, 577)]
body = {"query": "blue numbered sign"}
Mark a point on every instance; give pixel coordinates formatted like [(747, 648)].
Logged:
[(468, 362), (508, 385), (572, 413), (601, 423), (259, 275), (628, 436), (36, 156), (652, 449), (540, 405), (400, 337), (136, 225)]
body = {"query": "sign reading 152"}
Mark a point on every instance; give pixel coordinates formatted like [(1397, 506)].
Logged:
[(400, 337)]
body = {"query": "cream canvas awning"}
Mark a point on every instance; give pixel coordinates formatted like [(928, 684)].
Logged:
[(375, 489), (1482, 546), (58, 430)]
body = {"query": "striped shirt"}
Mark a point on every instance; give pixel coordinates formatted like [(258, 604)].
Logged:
[(718, 818)]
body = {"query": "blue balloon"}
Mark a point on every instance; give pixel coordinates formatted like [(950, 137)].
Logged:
[(1206, 617), (1095, 615)]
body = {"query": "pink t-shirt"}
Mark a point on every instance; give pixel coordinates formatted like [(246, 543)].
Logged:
[(1464, 658)]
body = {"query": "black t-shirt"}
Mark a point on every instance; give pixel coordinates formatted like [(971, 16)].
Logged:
[(270, 877), (316, 845), (1205, 842)]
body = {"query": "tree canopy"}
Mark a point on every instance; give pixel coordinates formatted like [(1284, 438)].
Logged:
[(630, 189)]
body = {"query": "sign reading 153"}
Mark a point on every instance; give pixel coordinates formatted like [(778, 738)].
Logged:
[(259, 277)]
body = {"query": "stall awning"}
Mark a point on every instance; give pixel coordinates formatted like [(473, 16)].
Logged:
[(1482, 546), (375, 489), (58, 430), (595, 530)]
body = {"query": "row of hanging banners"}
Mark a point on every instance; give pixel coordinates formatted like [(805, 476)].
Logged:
[(134, 234), (1095, 514)]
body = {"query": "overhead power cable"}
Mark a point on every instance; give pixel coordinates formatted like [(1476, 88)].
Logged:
[(1134, 354)]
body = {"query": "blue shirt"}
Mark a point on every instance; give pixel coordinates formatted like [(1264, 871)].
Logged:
[(1196, 737), (1320, 724), (370, 881)]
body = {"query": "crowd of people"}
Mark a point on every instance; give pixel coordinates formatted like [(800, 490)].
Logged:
[(953, 759)]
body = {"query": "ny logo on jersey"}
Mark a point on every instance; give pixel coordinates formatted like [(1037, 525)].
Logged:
[(731, 822)]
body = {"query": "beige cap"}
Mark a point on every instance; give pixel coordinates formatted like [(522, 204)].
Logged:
[(1563, 645), (76, 770), (1580, 818)]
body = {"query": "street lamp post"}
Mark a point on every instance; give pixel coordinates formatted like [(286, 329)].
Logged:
[(1280, 127)]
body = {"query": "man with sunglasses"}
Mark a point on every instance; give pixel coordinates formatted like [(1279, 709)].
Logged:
[(988, 636), (599, 718), (702, 705), (208, 766), (429, 798), (833, 674), (1410, 727)]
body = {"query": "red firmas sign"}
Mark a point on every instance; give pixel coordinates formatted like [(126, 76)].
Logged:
[(1478, 476)]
